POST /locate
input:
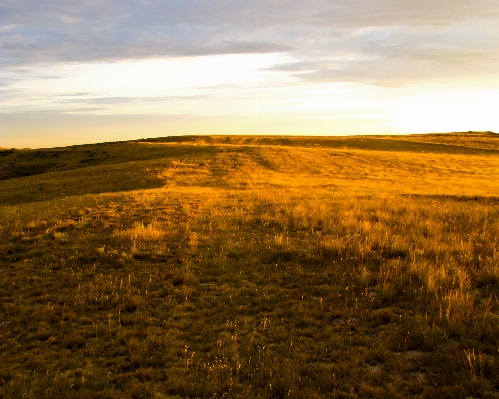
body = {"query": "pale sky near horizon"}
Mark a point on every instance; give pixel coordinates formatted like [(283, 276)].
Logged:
[(94, 71)]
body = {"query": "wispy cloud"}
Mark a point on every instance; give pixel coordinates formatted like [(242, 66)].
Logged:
[(126, 100)]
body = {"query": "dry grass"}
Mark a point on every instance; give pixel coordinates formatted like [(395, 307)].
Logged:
[(258, 268), (155, 231)]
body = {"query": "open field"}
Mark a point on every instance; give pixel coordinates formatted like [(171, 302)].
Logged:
[(236, 267)]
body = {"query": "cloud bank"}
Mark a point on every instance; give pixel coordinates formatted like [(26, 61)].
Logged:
[(383, 42)]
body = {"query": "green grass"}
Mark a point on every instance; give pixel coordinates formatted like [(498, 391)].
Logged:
[(252, 267)]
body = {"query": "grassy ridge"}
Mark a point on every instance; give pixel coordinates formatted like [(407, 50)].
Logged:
[(253, 267)]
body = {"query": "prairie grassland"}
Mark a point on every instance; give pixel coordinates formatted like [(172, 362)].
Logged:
[(254, 267)]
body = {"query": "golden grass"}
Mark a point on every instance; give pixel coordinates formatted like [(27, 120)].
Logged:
[(256, 267), (140, 232), (340, 169)]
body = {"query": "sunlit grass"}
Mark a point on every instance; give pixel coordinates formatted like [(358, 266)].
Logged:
[(140, 232), (255, 268)]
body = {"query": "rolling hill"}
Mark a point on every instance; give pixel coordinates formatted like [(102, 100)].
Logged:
[(251, 266)]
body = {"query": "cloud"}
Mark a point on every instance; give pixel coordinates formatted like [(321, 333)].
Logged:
[(383, 42), (83, 110), (79, 94), (126, 100), (399, 55)]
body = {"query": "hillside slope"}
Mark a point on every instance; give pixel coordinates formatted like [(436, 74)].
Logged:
[(239, 267)]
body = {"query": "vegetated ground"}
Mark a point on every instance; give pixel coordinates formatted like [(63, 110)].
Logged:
[(244, 267)]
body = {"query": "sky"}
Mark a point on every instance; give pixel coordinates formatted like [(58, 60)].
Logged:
[(93, 71)]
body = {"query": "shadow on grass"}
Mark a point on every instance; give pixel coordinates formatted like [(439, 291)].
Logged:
[(91, 180)]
